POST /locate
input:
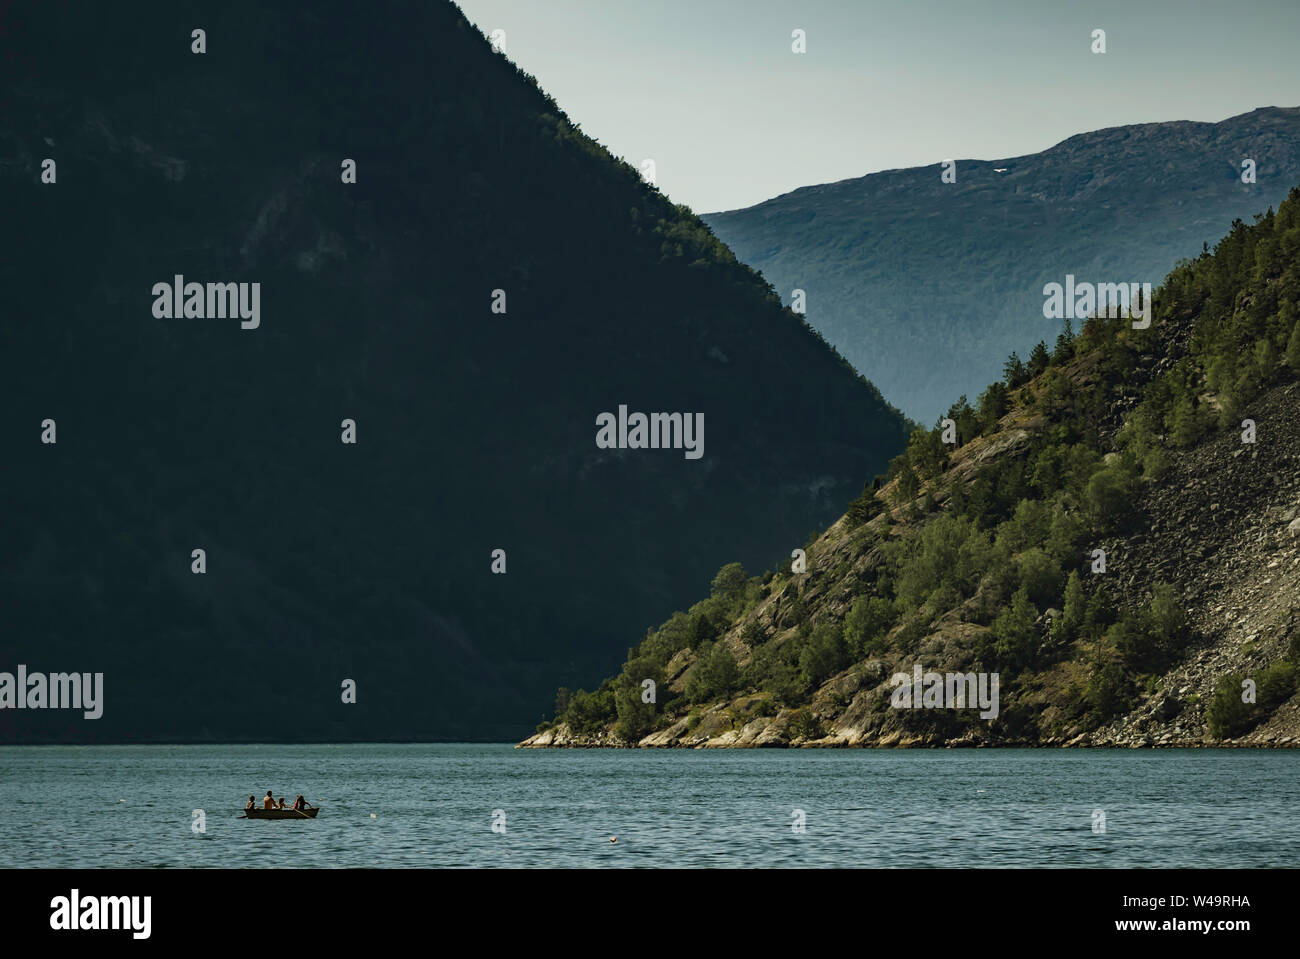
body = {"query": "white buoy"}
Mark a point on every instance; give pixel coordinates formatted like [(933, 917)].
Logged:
[(372, 815)]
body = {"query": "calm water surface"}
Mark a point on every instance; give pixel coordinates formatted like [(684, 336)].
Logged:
[(433, 806)]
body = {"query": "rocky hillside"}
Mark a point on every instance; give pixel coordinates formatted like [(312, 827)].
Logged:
[(1175, 450), (926, 286)]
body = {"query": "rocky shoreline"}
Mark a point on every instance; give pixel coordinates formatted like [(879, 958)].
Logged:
[(561, 738)]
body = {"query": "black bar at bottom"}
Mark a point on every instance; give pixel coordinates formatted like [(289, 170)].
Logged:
[(257, 909)]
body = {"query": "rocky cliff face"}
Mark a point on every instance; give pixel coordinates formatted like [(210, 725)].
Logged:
[(1223, 529)]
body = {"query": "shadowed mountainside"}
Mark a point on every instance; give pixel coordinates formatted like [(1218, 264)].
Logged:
[(475, 429)]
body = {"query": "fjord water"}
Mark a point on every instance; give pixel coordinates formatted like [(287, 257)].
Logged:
[(433, 805)]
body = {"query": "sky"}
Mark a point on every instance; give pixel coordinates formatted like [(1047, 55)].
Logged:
[(711, 91)]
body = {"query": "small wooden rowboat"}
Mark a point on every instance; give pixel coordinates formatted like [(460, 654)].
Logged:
[(280, 813)]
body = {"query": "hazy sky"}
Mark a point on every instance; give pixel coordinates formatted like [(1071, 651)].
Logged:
[(711, 91)]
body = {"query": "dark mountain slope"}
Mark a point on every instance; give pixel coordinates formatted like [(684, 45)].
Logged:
[(926, 286), (1173, 449), (475, 430)]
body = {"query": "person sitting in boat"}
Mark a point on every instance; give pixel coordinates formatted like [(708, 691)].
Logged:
[(252, 803), (301, 804), (269, 801), (281, 806)]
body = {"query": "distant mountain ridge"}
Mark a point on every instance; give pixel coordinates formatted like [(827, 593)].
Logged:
[(926, 286)]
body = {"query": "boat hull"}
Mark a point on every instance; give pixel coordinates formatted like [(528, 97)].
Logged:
[(281, 813)]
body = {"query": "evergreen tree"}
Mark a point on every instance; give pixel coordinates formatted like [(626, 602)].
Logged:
[(1293, 347), (824, 655), (1038, 359), (1071, 620), (992, 405), (866, 624), (925, 451), (1015, 638), (729, 584), (1064, 344), (1014, 371), (1265, 360), (966, 418)]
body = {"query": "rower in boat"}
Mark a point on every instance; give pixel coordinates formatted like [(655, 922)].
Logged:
[(301, 804), (269, 801), (252, 803)]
